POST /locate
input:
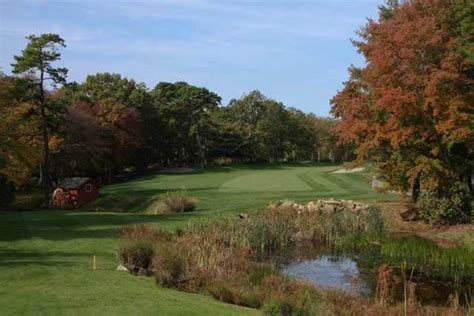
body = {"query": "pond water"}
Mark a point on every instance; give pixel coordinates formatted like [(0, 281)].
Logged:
[(356, 273), (330, 271)]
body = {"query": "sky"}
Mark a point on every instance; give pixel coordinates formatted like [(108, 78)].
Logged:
[(294, 51)]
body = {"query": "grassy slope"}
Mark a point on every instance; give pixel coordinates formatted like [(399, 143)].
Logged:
[(45, 256)]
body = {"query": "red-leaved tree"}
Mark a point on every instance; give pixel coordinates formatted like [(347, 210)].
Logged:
[(411, 108)]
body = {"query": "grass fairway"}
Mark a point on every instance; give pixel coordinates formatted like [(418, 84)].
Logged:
[(46, 256), (242, 188)]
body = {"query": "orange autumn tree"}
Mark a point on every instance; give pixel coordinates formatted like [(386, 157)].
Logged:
[(410, 109)]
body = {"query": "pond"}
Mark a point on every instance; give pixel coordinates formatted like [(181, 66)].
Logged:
[(330, 271), (356, 272)]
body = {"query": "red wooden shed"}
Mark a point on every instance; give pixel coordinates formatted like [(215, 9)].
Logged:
[(75, 192)]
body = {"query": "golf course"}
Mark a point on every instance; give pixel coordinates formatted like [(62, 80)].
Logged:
[(46, 256)]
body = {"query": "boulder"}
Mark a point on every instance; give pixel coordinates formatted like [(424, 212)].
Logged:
[(243, 216), (122, 268), (410, 213), (311, 207), (287, 204)]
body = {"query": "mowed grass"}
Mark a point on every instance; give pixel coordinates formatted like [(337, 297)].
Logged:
[(46, 256), (242, 188)]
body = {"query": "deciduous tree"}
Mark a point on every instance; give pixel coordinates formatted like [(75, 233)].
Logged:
[(411, 108)]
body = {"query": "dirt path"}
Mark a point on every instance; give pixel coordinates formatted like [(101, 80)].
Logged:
[(452, 236)]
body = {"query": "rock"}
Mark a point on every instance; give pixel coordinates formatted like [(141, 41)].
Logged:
[(311, 207), (243, 216), (299, 236), (378, 184), (287, 204), (410, 213), (328, 208), (122, 268)]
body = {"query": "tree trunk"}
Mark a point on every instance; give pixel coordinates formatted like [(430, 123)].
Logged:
[(201, 151), (469, 180), (415, 192), (44, 128)]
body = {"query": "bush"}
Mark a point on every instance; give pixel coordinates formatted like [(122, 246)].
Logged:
[(137, 245), (7, 192), (453, 207), (177, 201)]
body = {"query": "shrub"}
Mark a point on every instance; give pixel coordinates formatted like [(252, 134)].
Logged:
[(452, 207), (7, 192), (137, 243), (177, 201)]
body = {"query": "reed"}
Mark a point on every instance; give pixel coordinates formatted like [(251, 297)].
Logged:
[(428, 257)]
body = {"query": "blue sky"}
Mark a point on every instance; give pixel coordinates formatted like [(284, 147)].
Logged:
[(295, 51)]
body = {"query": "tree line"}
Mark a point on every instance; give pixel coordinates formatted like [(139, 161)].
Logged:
[(51, 128)]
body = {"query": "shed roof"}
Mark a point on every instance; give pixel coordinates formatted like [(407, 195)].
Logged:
[(73, 183)]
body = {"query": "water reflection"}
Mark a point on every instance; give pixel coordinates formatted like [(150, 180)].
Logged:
[(338, 272)]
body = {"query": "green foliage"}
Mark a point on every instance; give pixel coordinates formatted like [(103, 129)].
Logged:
[(464, 27), (270, 131), (7, 192), (429, 258), (38, 55), (454, 206)]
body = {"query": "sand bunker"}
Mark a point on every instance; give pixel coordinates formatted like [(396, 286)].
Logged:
[(344, 170)]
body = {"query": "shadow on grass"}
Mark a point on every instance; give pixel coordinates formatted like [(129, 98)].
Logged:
[(65, 225), (14, 258), (133, 201)]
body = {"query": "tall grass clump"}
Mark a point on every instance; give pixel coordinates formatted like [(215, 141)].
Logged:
[(174, 202), (436, 261), (137, 246)]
